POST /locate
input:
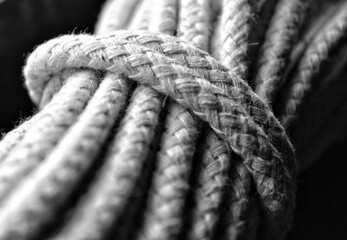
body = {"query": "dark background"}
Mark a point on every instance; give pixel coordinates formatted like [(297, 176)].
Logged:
[(321, 211)]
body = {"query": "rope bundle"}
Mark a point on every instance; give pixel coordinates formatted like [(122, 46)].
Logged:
[(142, 135)]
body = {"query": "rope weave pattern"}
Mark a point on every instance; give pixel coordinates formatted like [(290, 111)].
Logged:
[(226, 117), (235, 26), (62, 170), (163, 218), (309, 64), (275, 51), (143, 135), (60, 113)]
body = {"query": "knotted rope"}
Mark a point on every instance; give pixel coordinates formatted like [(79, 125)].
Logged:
[(142, 135), (144, 57)]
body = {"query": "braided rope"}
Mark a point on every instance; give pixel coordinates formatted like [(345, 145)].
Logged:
[(211, 185), (194, 22), (314, 56), (151, 174), (115, 15), (10, 140), (47, 129), (235, 20), (197, 59), (164, 19), (141, 18), (275, 51), (110, 191), (210, 189), (171, 179), (231, 223), (163, 217), (319, 108), (226, 117), (242, 211), (135, 135), (61, 172)]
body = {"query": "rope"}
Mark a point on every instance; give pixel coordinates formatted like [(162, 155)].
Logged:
[(225, 115), (47, 129), (236, 19), (50, 184), (313, 57), (194, 22), (275, 51), (115, 15), (187, 152), (163, 217), (322, 105)]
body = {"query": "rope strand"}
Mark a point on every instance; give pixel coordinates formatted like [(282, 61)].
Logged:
[(278, 43), (48, 128), (235, 20), (312, 59), (51, 184), (209, 102), (104, 203)]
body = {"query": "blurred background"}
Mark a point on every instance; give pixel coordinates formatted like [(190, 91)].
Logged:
[(322, 189)]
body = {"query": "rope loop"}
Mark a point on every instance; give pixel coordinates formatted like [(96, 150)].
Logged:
[(171, 67)]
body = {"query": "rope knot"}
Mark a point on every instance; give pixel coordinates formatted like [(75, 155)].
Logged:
[(191, 77)]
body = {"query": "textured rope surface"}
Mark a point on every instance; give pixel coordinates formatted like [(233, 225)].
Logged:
[(60, 113), (226, 115), (235, 27), (313, 57), (163, 218), (118, 146), (275, 51)]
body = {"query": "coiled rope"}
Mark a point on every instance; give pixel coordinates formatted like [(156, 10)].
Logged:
[(143, 135)]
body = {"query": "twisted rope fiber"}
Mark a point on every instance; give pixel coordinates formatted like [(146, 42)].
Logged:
[(141, 17), (235, 26), (164, 17), (60, 173), (12, 138), (276, 193), (170, 182), (95, 196), (316, 54), (163, 217), (104, 203), (278, 43), (194, 19), (210, 189), (115, 15), (172, 47), (49, 126), (322, 105), (211, 185), (235, 221)]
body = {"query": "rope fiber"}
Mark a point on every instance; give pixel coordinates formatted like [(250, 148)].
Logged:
[(142, 134)]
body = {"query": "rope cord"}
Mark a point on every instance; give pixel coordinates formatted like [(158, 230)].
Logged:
[(168, 76), (141, 134), (275, 51), (60, 173), (47, 129), (316, 53), (163, 217), (321, 104), (236, 19)]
